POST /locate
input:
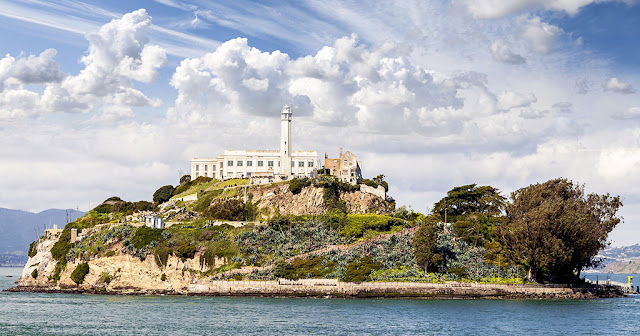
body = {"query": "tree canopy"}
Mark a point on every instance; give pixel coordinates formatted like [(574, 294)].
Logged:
[(555, 230), (469, 199), (163, 194)]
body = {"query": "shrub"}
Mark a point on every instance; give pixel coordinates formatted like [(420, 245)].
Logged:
[(161, 255), (185, 179), (106, 277), (110, 253), (33, 249), (360, 270), (163, 277), (204, 200), (283, 269), (237, 277), (144, 236), (163, 194), (79, 273), (186, 251), (34, 274), (232, 209), (357, 225)]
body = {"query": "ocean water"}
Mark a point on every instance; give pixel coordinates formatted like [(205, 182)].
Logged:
[(81, 314)]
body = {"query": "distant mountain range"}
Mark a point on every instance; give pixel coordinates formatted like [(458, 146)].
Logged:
[(19, 228)]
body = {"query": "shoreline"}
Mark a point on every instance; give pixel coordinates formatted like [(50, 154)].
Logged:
[(373, 290)]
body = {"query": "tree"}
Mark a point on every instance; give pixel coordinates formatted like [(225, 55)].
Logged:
[(380, 181), (163, 194), (79, 273), (185, 179), (469, 199), (424, 246), (555, 230)]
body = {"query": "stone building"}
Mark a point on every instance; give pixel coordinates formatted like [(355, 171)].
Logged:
[(346, 167), (279, 164)]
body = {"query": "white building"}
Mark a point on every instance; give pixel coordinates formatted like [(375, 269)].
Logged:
[(154, 222), (284, 163)]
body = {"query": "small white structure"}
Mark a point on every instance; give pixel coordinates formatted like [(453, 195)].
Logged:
[(282, 164), (154, 222)]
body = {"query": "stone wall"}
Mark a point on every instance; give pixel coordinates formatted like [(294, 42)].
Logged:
[(379, 191), (321, 287)]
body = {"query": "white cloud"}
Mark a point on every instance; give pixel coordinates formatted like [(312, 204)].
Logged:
[(582, 86), (630, 113), (616, 85), (501, 52), (492, 9), (118, 54), (539, 35), (508, 100)]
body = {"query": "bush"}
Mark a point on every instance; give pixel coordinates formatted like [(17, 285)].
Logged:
[(163, 277), (357, 225), (33, 249), (185, 179), (110, 254), (163, 194), (161, 255), (360, 270), (106, 277), (34, 274), (232, 210), (186, 251), (296, 185), (144, 236), (79, 273)]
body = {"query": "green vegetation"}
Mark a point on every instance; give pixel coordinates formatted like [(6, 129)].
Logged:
[(376, 181), (185, 251), (555, 229), (192, 187), (106, 278), (163, 277), (144, 236), (358, 225), (34, 273), (296, 184), (33, 249), (231, 209), (163, 194), (360, 270), (79, 273)]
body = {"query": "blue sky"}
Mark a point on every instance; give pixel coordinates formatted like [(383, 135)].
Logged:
[(113, 98)]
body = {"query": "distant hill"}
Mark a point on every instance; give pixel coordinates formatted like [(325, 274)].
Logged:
[(19, 228), (621, 255)]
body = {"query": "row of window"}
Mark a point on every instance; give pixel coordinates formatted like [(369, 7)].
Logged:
[(206, 167), (240, 163)]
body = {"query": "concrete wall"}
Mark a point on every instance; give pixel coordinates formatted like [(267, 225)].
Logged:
[(379, 191), (366, 289)]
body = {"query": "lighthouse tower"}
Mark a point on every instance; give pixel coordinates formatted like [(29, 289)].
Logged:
[(285, 141)]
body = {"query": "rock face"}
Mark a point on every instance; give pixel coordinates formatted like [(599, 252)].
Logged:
[(278, 199), (127, 273)]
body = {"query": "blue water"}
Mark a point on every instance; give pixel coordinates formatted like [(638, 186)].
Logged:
[(77, 314)]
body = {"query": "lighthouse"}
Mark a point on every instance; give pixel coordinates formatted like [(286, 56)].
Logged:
[(285, 141)]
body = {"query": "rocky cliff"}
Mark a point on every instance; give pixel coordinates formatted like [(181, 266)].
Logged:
[(277, 198)]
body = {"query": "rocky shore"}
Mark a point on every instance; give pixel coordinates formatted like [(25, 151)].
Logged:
[(335, 289)]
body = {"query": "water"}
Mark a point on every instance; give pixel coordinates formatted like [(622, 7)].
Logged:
[(77, 314)]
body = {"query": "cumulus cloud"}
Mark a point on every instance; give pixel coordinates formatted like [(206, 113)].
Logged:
[(563, 107), (343, 84), (493, 9), (501, 52), (118, 54), (540, 36), (616, 85)]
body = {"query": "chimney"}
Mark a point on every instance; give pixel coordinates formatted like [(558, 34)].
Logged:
[(340, 152)]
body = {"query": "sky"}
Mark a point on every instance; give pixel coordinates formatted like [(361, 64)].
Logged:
[(113, 98)]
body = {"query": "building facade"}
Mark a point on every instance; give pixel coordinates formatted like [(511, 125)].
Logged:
[(346, 167), (284, 163)]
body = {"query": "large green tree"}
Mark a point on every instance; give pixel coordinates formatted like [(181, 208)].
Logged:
[(556, 229), (469, 199), (425, 246), (163, 194)]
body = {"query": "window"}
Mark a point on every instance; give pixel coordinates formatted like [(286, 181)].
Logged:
[(300, 163), (293, 164), (229, 163), (249, 163), (197, 174), (213, 167), (197, 167), (205, 169), (270, 163), (260, 163), (205, 174), (310, 164), (239, 164)]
